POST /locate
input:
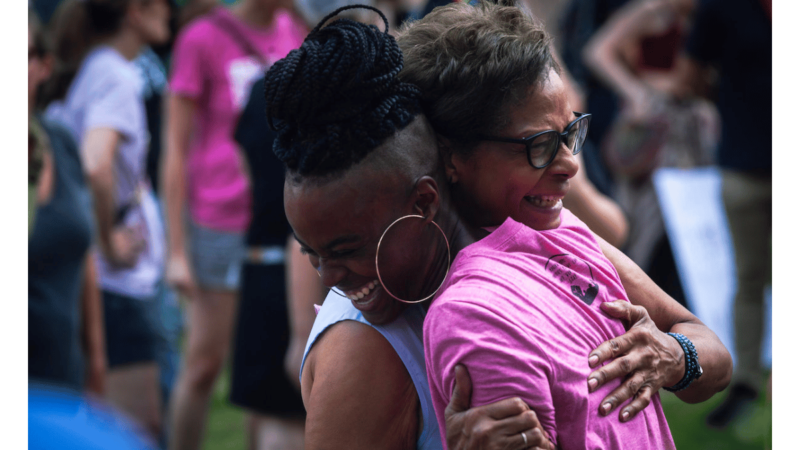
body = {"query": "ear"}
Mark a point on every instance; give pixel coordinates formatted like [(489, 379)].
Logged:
[(446, 153), (426, 202)]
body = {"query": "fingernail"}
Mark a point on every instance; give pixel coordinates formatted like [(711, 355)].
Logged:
[(606, 407), (625, 415), (592, 384), (593, 360)]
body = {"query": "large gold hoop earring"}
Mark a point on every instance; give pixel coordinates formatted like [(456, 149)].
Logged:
[(378, 251)]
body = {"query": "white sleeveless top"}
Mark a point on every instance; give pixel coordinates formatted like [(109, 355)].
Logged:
[(405, 335)]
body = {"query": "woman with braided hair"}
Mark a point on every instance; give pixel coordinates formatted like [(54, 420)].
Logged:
[(364, 195), (352, 138)]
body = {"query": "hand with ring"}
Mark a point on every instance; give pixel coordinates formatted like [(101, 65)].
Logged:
[(508, 424), (646, 358)]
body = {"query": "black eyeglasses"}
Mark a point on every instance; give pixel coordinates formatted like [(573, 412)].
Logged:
[(543, 147)]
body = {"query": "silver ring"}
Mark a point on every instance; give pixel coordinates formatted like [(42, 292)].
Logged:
[(524, 438)]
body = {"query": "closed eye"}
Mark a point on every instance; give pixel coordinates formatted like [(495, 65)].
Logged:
[(343, 253)]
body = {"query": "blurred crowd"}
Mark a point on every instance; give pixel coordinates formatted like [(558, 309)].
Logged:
[(158, 247)]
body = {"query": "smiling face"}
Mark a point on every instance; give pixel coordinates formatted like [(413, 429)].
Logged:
[(339, 221), (495, 181), (338, 224)]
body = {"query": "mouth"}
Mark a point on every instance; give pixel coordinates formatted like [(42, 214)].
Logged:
[(544, 201), (365, 295)]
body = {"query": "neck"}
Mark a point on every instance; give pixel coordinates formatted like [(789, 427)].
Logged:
[(459, 236), (127, 42), (254, 14)]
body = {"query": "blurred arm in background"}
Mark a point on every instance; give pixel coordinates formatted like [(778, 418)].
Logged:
[(120, 244), (600, 213), (614, 50), (180, 111), (693, 78), (93, 330), (303, 290)]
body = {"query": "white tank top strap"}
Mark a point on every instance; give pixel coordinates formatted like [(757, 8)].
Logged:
[(405, 335)]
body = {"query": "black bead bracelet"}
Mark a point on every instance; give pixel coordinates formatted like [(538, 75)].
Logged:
[(693, 369)]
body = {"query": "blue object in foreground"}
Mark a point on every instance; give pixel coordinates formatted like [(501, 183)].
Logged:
[(62, 419)]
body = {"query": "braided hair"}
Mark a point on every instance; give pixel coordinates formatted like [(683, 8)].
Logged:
[(337, 97)]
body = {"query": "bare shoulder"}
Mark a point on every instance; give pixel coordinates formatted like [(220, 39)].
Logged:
[(357, 392)]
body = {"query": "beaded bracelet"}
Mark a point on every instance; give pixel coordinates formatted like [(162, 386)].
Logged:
[(693, 369)]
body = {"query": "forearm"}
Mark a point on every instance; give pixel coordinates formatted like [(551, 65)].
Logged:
[(93, 329), (98, 151), (670, 316), (102, 186), (604, 52), (606, 64), (173, 170), (601, 214), (174, 202), (713, 358)]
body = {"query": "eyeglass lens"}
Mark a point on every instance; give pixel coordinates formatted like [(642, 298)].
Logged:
[(543, 148)]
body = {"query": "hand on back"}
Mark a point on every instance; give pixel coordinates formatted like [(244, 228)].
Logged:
[(508, 424)]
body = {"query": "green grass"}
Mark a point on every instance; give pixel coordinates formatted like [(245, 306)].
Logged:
[(753, 431), (225, 427)]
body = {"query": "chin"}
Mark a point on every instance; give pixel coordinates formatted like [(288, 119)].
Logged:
[(386, 315)]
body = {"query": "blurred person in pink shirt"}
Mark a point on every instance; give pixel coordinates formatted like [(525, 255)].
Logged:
[(216, 59)]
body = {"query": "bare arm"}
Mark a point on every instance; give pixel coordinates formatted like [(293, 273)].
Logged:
[(496, 426), (357, 392), (609, 53), (691, 78), (93, 330), (98, 151), (642, 347), (601, 214), (303, 290), (120, 245), (179, 116)]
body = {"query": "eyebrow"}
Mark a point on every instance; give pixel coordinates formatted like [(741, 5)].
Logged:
[(347, 239)]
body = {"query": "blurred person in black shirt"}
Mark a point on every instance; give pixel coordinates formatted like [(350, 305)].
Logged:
[(734, 37), (66, 346)]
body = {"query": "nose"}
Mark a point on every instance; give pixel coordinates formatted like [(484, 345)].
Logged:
[(330, 273), (565, 164)]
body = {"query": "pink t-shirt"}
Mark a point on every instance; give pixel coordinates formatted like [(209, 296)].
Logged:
[(210, 67), (520, 309)]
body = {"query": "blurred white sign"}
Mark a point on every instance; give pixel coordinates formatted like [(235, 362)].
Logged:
[(694, 216)]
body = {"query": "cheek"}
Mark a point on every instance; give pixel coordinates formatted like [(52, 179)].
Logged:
[(36, 75)]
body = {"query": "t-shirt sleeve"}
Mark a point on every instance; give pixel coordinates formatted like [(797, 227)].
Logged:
[(499, 356), (110, 106), (189, 60), (706, 38)]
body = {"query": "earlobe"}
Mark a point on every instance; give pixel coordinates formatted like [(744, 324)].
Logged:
[(446, 153)]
